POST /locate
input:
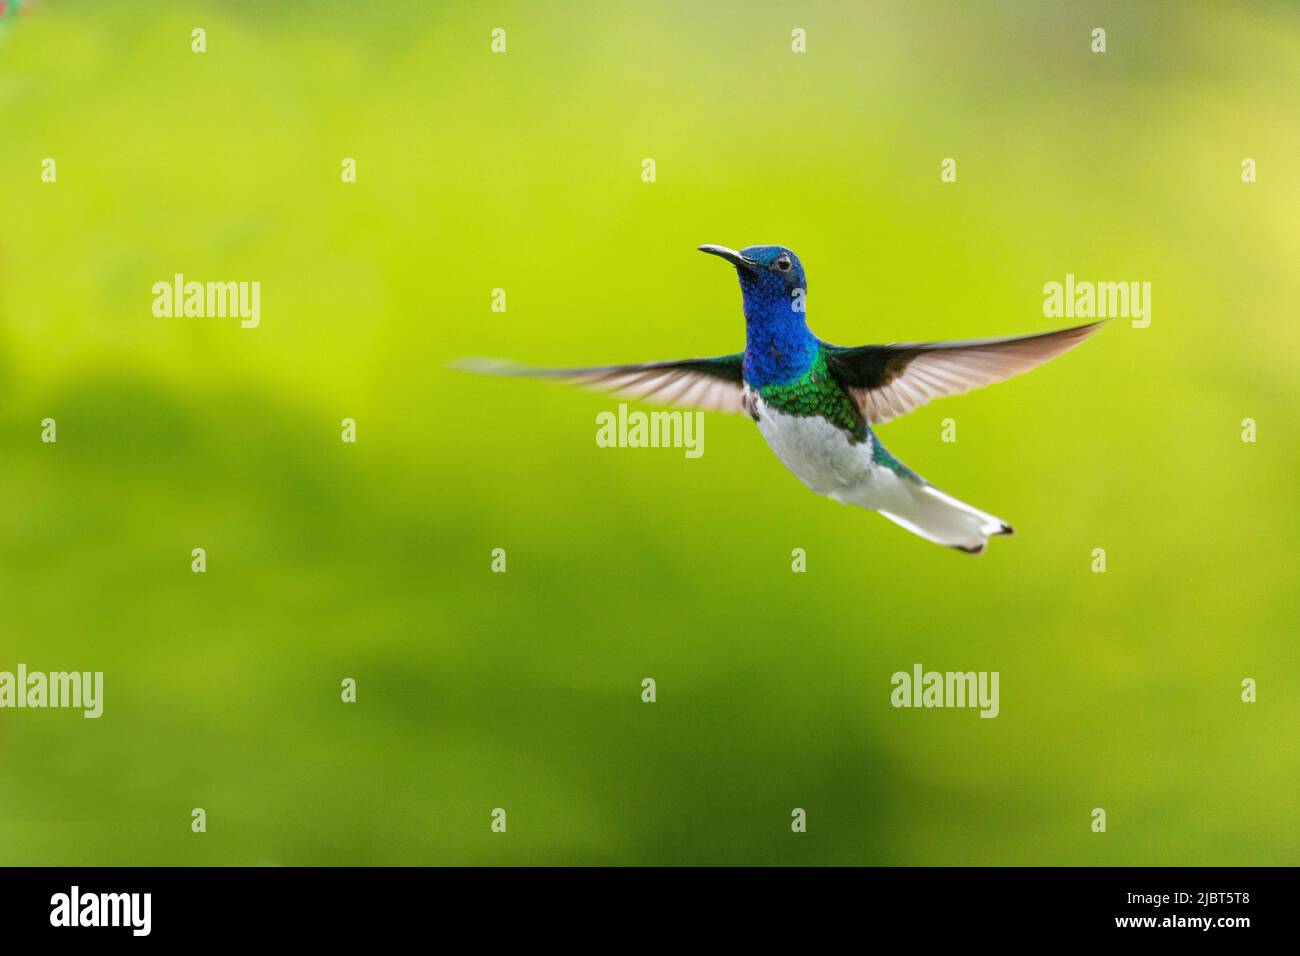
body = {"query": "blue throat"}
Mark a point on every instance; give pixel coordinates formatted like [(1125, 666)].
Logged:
[(779, 348)]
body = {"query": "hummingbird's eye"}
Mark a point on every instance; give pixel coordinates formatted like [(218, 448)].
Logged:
[(783, 263)]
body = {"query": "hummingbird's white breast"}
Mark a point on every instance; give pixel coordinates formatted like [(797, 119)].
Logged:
[(821, 455), (827, 460)]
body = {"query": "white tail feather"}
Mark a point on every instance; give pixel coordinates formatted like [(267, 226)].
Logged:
[(926, 511)]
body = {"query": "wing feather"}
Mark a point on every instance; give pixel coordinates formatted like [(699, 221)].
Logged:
[(887, 381), (712, 384)]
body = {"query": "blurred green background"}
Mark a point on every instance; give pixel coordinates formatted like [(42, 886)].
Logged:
[(522, 171)]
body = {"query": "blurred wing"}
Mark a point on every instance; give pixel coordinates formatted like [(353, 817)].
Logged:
[(714, 384), (891, 380)]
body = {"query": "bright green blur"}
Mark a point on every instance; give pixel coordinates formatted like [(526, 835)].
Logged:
[(522, 171)]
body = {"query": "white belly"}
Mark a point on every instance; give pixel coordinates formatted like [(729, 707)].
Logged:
[(817, 453), (823, 458)]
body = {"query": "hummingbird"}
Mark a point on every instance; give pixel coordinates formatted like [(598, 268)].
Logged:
[(815, 403)]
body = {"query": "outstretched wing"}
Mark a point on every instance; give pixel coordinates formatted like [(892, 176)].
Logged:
[(714, 384), (891, 380)]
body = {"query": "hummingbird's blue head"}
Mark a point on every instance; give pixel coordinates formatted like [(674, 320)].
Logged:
[(771, 280), (778, 347)]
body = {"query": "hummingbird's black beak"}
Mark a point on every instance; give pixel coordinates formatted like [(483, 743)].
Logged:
[(731, 255)]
